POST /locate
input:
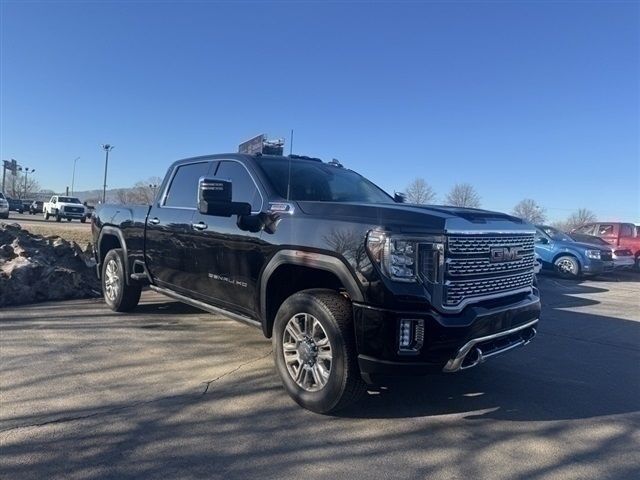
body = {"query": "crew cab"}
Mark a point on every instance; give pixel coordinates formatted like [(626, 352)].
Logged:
[(620, 234), (569, 258), (60, 207), (348, 283)]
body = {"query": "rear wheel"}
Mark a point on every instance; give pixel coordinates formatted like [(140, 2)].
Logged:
[(118, 295), (567, 266), (315, 352)]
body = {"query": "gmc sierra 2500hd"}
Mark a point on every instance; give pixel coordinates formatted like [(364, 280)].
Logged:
[(348, 283)]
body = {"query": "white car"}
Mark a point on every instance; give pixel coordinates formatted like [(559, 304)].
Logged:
[(4, 206), (61, 207)]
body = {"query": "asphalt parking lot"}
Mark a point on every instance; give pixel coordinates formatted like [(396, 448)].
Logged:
[(172, 392)]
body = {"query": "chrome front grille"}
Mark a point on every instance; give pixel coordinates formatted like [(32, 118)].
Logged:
[(456, 292), (457, 267), (480, 244), (475, 270)]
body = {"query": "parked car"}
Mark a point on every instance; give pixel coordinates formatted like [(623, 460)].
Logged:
[(90, 209), (61, 207), (568, 258), (4, 206), (36, 207), (347, 281), (620, 234), (622, 257), (15, 205)]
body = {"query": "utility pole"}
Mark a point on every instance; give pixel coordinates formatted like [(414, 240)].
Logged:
[(73, 176), (107, 148)]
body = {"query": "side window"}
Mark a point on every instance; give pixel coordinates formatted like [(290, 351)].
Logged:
[(626, 230), (587, 229), (183, 191), (244, 189), (605, 230)]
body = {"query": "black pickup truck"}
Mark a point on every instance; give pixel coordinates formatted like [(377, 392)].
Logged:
[(349, 282)]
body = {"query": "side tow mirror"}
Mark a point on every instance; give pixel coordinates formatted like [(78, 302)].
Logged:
[(399, 197), (214, 198)]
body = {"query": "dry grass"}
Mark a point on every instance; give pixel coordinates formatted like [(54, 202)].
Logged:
[(82, 236)]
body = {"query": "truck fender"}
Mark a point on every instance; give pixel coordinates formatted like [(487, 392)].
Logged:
[(108, 230), (307, 259)]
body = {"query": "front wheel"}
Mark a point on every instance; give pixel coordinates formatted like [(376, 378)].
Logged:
[(315, 351), (83, 219), (567, 266), (46, 215), (118, 295)]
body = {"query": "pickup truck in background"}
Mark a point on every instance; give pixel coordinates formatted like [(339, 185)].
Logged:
[(619, 234), (349, 283), (60, 207), (4, 206)]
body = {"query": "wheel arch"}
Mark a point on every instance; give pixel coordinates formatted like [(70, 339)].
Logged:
[(109, 239), (311, 270)]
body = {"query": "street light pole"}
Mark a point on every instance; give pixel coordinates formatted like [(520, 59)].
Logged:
[(26, 176), (73, 176), (107, 148)]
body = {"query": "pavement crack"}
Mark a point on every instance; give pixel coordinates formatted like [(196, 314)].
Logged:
[(109, 411), (208, 383)]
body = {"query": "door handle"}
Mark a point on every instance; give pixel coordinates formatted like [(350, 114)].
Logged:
[(199, 226), (154, 221)]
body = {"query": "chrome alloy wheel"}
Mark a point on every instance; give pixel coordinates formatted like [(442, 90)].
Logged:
[(307, 352), (112, 280), (568, 267)]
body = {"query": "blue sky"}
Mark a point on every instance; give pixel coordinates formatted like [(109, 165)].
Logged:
[(526, 99)]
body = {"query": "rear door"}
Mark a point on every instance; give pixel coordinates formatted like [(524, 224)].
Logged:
[(227, 260), (169, 233)]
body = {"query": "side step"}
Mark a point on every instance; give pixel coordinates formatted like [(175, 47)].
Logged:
[(206, 307)]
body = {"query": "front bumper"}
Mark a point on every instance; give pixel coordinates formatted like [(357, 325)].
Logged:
[(624, 262), (595, 267), (451, 342)]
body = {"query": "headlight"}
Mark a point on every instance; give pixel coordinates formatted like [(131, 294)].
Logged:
[(595, 254), (398, 256)]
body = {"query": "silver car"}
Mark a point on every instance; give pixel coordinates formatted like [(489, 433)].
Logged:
[(4, 206)]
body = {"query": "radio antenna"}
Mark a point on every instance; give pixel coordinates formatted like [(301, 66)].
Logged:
[(289, 175)]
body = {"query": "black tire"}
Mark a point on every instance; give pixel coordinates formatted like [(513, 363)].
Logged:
[(58, 218), (46, 216), (128, 295), (567, 266), (344, 384), (83, 219)]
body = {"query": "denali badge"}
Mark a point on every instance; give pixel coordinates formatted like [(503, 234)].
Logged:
[(505, 254)]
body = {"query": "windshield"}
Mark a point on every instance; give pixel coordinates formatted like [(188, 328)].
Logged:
[(319, 182), (589, 239), (68, 200), (1, 195), (556, 234)]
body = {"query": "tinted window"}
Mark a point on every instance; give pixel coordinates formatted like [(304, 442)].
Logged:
[(604, 230), (626, 230), (587, 229), (317, 181), (68, 200), (243, 188), (183, 191)]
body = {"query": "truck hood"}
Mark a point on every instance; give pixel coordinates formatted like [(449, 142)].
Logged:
[(410, 218)]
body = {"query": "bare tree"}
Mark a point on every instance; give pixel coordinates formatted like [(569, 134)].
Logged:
[(144, 192), (419, 191), (463, 195), (18, 189), (579, 218), (530, 211)]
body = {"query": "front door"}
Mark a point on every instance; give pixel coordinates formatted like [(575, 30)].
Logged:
[(169, 233), (226, 259)]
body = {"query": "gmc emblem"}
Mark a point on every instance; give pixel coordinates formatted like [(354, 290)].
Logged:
[(505, 254)]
